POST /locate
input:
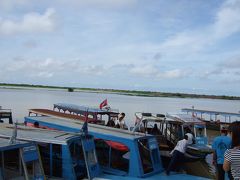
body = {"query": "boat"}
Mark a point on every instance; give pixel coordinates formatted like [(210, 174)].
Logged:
[(156, 124), (141, 159), (72, 111), (20, 160), (6, 114), (180, 124), (215, 119), (63, 155)]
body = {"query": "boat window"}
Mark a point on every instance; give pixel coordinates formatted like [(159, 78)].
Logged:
[(57, 160), (199, 132), (120, 159), (112, 155), (102, 150), (10, 162), (145, 156), (78, 159), (91, 158), (44, 150)]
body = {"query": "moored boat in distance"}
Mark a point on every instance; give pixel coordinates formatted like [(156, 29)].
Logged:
[(72, 111), (5, 114), (215, 119), (140, 158)]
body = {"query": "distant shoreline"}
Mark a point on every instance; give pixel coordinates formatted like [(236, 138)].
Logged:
[(121, 92)]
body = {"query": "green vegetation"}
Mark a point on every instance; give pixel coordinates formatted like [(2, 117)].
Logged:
[(123, 92)]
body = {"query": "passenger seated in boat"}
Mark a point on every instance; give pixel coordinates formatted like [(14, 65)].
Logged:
[(155, 130), (121, 123), (200, 132), (111, 123)]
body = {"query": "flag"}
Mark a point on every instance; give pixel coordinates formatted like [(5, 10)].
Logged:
[(104, 103)]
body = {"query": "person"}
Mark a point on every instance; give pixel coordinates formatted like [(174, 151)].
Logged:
[(220, 145), (190, 135), (111, 122), (121, 122), (232, 156), (177, 154), (155, 130)]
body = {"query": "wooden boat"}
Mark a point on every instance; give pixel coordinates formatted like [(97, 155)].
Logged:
[(20, 160), (156, 124), (214, 119), (141, 160), (177, 127), (72, 111), (64, 155)]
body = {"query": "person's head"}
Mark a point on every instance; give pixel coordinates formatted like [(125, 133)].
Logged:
[(121, 116), (36, 124), (188, 130), (235, 132), (186, 137), (224, 131), (155, 126)]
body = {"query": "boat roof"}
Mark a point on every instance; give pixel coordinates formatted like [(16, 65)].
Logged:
[(5, 145), (26, 133), (150, 117), (222, 113), (82, 109), (185, 118), (98, 131)]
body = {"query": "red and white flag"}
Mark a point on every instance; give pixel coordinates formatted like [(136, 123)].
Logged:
[(103, 104)]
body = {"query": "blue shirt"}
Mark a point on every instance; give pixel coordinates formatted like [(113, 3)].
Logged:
[(220, 145)]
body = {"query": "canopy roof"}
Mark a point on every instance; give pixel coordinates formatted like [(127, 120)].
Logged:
[(210, 112), (82, 109)]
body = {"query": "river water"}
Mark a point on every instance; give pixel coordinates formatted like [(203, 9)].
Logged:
[(20, 100)]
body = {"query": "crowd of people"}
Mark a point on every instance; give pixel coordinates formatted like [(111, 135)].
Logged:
[(118, 122), (226, 155)]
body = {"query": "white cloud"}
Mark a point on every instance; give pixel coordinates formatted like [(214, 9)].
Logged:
[(30, 23), (144, 70), (9, 4), (154, 72), (187, 42), (99, 3), (227, 19)]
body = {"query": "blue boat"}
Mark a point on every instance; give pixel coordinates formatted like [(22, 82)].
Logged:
[(121, 153), (19, 160), (63, 155)]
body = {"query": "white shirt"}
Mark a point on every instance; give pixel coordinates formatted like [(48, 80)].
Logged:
[(181, 146), (190, 138)]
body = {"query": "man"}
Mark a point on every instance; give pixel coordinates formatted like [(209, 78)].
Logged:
[(220, 145), (121, 121), (178, 154)]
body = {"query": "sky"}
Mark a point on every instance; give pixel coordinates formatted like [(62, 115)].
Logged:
[(155, 45)]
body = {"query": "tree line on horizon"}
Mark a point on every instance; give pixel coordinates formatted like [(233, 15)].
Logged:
[(128, 92)]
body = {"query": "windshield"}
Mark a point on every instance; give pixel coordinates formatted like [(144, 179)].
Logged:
[(145, 155), (78, 161)]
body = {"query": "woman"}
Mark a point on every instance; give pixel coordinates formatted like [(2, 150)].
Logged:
[(232, 156)]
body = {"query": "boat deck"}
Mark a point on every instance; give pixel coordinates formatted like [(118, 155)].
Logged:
[(77, 125), (36, 135), (4, 144)]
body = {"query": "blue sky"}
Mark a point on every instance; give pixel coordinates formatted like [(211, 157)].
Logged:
[(158, 45)]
